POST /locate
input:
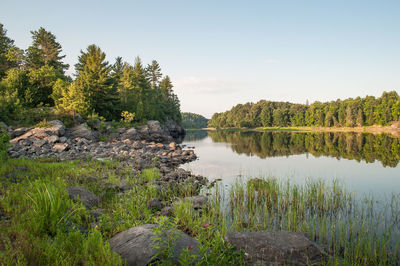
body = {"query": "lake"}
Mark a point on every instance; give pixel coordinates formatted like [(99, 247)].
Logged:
[(365, 163)]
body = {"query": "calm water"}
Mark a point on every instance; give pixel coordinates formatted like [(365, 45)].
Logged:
[(365, 163)]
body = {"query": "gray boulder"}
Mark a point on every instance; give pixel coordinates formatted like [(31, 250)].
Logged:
[(82, 131), (174, 130), (19, 132), (197, 202), (56, 128), (121, 186), (276, 248), (87, 198), (135, 245), (130, 134), (154, 126)]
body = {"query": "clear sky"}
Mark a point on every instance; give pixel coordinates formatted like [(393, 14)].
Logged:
[(221, 53)]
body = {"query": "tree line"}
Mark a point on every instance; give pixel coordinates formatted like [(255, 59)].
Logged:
[(351, 112), (191, 120), (353, 146), (36, 77)]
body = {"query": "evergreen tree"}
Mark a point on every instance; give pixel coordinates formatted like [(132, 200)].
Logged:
[(117, 69), (93, 86), (153, 73), (45, 51), (41, 83)]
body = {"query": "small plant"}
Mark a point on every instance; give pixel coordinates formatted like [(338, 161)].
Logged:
[(43, 123), (50, 205), (4, 143), (94, 121), (165, 237), (127, 118)]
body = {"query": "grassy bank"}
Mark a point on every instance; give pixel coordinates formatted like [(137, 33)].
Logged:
[(40, 225)]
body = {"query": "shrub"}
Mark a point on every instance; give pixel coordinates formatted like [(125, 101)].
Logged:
[(4, 143)]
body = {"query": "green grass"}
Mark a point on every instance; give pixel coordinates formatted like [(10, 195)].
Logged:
[(44, 227)]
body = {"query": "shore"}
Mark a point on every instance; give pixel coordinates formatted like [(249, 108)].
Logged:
[(394, 129)]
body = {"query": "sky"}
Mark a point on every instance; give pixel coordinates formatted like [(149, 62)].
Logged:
[(221, 53)]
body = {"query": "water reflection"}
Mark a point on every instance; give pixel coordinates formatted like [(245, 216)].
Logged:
[(354, 146)]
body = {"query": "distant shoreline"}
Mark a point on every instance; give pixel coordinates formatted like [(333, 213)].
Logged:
[(376, 129)]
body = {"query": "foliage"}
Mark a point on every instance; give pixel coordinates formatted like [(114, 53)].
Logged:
[(366, 111), (127, 118), (45, 51), (36, 78), (191, 120), (4, 143)]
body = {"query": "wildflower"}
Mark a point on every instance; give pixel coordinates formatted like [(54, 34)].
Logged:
[(190, 247), (205, 225)]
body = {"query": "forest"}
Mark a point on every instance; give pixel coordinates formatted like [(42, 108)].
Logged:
[(191, 120), (351, 112), (36, 77)]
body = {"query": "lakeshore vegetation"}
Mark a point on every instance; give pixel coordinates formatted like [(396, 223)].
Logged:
[(194, 121), (36, 77), (359, 112)]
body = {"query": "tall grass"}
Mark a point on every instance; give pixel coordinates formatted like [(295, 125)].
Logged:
[(355, 230)]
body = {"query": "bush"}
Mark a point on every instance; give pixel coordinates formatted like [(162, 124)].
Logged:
[(4, 143)]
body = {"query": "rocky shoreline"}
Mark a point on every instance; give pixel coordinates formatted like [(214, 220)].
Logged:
[(151, 146)]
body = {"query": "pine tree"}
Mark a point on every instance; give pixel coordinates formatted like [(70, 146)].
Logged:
[(45, 50), (117, 69), (93, 86), (153, 73)]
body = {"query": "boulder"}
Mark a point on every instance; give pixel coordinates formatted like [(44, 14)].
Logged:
[(121, 186), (197, 202), (174, 130), (53, 139), (57, 128), (276, 248), (130, 134), (154, 126), (87, 197), (19, 132), (154, 204), (60, 147), (135, 245), (82, 131)]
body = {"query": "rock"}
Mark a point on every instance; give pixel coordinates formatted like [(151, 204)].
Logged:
[(57, 128), (172, 146), (96, 214), (276, 248), (88, 199), (53, 139), (154, 204), (121, 186), (60, 147), (174, 130), (63, 140), (153, 126), (197, 202), (130, 134), (81, 131), (19, 132), (167, 211), (135, 245)]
